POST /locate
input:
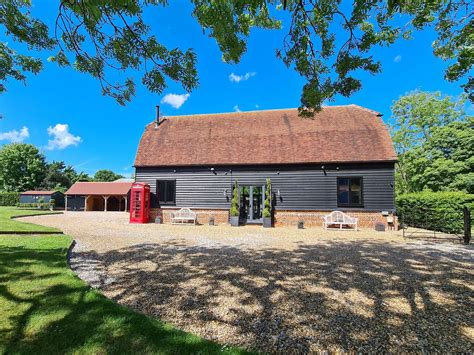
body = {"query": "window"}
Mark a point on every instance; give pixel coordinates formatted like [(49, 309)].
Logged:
[(349, 192), (166, 191)]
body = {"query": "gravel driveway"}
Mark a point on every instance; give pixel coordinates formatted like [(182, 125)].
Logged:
[(282, 289)]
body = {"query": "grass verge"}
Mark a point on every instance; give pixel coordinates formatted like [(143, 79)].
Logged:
[(46, 308), (9, 225)]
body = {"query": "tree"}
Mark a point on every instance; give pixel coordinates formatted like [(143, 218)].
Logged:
[(417, 113), (267, 210), (98, 37), (22, 167), (450, 152), (234, 204), (434, 140), (106, 175), (59, 176)]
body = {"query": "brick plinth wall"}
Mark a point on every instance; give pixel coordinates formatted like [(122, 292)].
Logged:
[(315, 218), (281, 218), (203, 216)]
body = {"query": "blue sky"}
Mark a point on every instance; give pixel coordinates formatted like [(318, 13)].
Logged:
[(100, 134)]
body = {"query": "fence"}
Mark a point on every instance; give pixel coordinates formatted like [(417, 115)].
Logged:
[(425, 222)]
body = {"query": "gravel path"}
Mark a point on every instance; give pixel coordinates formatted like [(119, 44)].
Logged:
[(282, 289)]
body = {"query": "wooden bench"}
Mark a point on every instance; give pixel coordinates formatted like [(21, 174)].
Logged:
[(184, 215), (338, 218)]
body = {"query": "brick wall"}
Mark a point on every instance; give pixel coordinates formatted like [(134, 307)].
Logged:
[(315, 218), (203, 216), (281, 218)]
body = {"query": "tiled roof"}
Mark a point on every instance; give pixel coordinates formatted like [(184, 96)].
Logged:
[(337, 134), (124, 180), (99, 188), (38, 192)]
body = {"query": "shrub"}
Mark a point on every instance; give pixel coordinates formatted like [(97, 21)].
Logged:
[(36, 205), (439, 211), (267, 210), (234, 206), (9, 198)]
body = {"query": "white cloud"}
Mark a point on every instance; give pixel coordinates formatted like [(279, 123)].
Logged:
[(397, 58), (238, 78), (62, 138), (15, 136), (237, 109), (175, 100)]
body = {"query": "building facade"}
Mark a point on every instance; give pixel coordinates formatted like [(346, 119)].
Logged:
[(42, 196), (343, 159), (98, 196)]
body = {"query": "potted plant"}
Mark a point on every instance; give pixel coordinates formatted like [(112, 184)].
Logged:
[(267, 209), (234, 206)]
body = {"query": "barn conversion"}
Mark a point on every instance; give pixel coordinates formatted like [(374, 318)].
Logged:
[(343, 159), (98, 196)]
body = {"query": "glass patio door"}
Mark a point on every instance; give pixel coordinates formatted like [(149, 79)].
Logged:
[(251, 203)]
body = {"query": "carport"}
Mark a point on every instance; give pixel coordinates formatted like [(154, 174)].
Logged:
[(98, 196)]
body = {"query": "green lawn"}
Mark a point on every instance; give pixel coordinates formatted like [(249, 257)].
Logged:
[(45, 308), (10, 225)]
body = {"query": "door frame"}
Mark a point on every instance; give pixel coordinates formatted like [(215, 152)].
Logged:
[(249, 219)]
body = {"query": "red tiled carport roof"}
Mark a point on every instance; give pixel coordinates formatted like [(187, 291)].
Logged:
[(337, 134), (100, 188)]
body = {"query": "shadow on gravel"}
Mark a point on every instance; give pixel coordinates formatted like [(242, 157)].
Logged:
[(364, 296), (45, 309)]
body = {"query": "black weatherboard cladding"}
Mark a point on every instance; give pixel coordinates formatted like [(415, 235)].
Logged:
[(302, 187)]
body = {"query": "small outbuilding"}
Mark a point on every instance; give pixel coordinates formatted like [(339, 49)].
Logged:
[(42, 196), (98, 196)]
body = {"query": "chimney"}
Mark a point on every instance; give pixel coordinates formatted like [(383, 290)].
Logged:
[(157, 119)]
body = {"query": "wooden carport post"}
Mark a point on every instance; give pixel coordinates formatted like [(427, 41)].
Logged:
[(85, 203), (126, 203), (105, 204)]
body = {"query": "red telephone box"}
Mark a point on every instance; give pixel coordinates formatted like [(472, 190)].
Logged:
[(140, 203)]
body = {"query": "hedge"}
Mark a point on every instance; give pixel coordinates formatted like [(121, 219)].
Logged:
[(9, 198), (438, 211)]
